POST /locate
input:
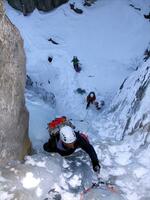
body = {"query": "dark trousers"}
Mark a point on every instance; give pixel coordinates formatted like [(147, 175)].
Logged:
[(88, 104), (77, 67)]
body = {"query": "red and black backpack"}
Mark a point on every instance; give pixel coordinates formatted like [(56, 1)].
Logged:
[(56, 122)]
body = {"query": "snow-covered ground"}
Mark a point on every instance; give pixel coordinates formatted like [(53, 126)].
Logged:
[(109, 39)]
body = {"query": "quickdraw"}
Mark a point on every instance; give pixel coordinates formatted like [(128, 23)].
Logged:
[(99, 184)]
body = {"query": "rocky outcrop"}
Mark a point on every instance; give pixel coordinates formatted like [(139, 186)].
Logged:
[(14, 141), (44, 5), (130, 109), (27, 6)]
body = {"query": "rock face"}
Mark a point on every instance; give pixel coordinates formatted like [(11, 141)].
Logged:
[(27, 6), (44, 5), (130, 108), (14, 141)]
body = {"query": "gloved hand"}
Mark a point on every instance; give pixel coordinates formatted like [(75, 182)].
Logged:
[(97, 169)]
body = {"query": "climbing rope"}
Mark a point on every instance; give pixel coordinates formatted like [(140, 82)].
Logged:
[(99, 184), (81, 120)]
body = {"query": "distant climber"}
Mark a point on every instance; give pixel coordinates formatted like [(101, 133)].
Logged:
[(76, 64), (91, 99), (65, 140)]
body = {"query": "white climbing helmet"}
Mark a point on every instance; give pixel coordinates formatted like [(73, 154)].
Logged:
[(91, 94), (67, 135)]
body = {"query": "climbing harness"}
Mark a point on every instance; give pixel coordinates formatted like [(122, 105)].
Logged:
[(99, 184)]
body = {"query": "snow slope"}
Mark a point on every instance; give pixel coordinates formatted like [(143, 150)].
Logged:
[(109, 38), (107, 42)]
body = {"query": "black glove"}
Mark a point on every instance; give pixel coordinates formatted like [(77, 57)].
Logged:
[(97, 168)]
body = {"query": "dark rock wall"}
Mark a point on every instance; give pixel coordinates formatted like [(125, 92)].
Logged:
[(27, 6)]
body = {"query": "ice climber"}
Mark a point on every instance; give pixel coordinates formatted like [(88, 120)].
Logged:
[(76, 64), (65, 140), (91, 99)]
